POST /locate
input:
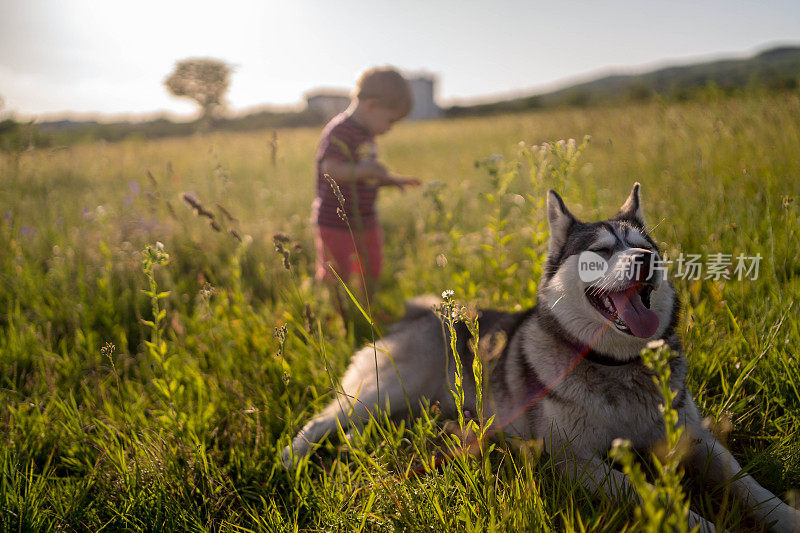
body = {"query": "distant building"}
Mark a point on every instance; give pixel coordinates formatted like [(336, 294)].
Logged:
[(328, 103), (423, 87)]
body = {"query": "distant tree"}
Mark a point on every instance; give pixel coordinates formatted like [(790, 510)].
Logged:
[(18, 137), (532, 102), (638, 92), (204, 80), (577, 98)]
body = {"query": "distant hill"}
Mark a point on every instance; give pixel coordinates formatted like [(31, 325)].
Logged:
[(774, 69), (66, 131)]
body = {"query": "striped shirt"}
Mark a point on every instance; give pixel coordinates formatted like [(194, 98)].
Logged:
[(343, 139)]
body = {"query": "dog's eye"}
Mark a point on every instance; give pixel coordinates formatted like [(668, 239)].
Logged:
[(606, 250)]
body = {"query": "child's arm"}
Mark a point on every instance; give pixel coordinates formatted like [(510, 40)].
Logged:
[(366, 170), (344, 171), (401, 182)]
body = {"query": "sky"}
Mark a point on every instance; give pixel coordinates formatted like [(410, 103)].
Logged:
[(83, 57)]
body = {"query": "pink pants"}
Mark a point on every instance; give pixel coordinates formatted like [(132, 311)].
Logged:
[(335, 248)]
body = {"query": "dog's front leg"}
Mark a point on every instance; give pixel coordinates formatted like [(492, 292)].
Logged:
[(710, 457), (597, 476)]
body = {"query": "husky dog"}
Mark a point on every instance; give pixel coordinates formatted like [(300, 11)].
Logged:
[(570, 371)]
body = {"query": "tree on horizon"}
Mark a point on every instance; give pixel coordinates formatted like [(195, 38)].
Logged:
[(203, 79)]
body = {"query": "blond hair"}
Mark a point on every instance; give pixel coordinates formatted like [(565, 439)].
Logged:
[(387, 86)]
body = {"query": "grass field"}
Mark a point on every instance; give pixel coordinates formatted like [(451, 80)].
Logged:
[(141, 392)]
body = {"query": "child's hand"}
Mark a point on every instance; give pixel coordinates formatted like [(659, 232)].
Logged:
[(401, 182)]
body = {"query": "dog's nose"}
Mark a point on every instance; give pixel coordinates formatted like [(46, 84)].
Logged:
[(641, 263)]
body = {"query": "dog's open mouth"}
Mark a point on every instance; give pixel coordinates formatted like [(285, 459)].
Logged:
[(628, 309)]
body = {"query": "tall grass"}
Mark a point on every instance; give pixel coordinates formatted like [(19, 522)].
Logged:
[(179, 424)]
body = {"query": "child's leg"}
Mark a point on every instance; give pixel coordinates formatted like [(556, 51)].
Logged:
[(371, 248), (335, 250)]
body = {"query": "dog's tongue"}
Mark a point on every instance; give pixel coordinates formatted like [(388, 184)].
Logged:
[(642, 321)]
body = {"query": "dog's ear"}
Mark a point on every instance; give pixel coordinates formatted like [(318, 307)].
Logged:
[(632, 208), (560, 220)]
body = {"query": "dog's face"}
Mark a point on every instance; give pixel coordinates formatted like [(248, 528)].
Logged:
[(603, 281)]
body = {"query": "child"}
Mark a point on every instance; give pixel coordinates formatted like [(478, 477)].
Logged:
[(347, 153)]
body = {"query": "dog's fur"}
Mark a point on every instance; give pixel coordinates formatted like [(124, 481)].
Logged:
[(570, 372)]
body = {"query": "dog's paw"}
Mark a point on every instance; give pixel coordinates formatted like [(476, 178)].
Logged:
[(703, 525), (286, 457), (294, 452)]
